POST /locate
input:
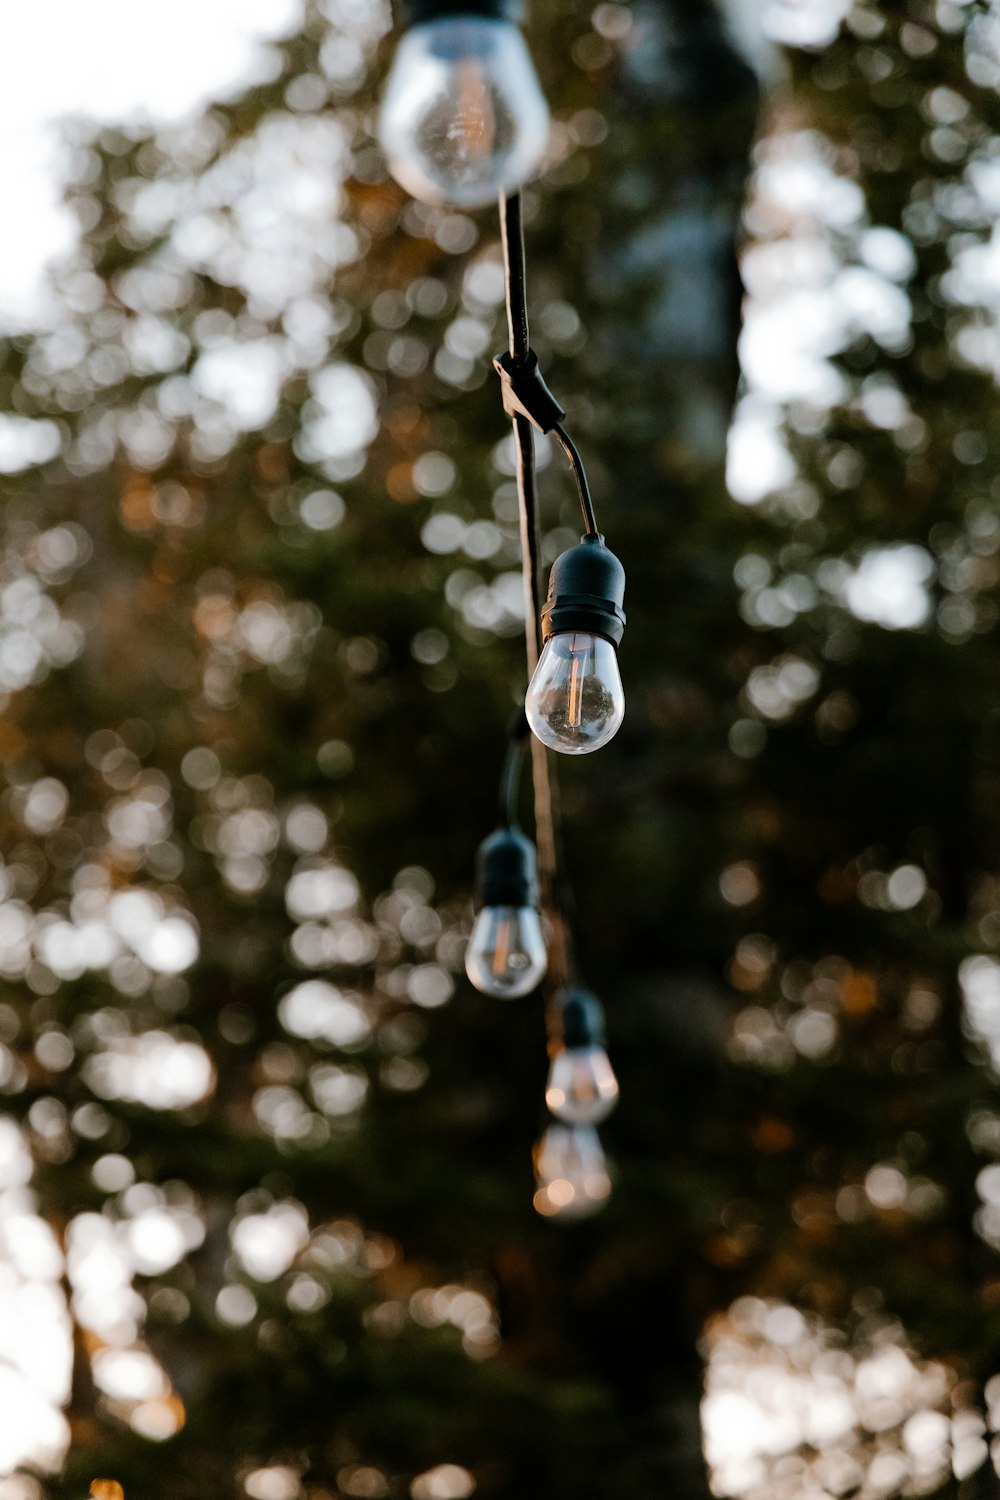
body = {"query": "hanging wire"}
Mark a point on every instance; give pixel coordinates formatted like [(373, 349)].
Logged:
[(515, 291), (571, 451), (527, 509), (561, 965), (508, 798), (512, 240)]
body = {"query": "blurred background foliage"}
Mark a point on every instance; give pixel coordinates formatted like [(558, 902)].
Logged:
[(265, 1158)]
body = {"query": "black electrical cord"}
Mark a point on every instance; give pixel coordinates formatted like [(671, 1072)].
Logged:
[(561, 965), (512, 240), (531, 397), (571, 451), (510, 777)]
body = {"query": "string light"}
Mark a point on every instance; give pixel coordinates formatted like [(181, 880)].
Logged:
[(463, 117), (571, 1172), (575, 700), (506, 954), (582, 1088)]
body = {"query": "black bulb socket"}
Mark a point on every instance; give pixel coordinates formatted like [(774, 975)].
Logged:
[(586, 593), (576, 1020), (415, 12), (506, 870)]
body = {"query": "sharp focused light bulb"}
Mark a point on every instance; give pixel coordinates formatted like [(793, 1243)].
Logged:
[(571, 1172), (582, 1088), (575, 700), (506, 953), (463, 117)]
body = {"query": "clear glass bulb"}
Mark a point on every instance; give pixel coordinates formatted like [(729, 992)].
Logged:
[(571, 1172), (506, 953), (463, 116), (582, 1088), (575, 700)]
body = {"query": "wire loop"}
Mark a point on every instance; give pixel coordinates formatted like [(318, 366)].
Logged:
[(525, 393)]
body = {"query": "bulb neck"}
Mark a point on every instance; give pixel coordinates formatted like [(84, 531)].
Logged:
[(507, 870), (586, 593), (576, 1020), (409, 13)]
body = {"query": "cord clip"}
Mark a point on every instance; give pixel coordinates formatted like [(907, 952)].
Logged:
[(525, 393)]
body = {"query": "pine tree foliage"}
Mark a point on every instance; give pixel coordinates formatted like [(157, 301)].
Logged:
[(260, 641)]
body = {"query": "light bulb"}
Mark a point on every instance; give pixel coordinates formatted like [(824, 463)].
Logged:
[(575, 700), (506, 953), (463, 117), (582, 1088), (571, 1172)]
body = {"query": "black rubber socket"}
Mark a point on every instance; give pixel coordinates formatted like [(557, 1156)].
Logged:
[(506, 870), (586, 593), (416, 12), (576, 1020)]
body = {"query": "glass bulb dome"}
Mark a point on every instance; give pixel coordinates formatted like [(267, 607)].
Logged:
[(582, 1088), (571, 1172), (463, 117), (506, 954), (575, 701)]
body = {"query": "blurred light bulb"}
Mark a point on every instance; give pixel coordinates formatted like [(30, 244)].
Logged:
[(506, 953), (575, 700), (571, 1172), (463, 117), (582, 1088)]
